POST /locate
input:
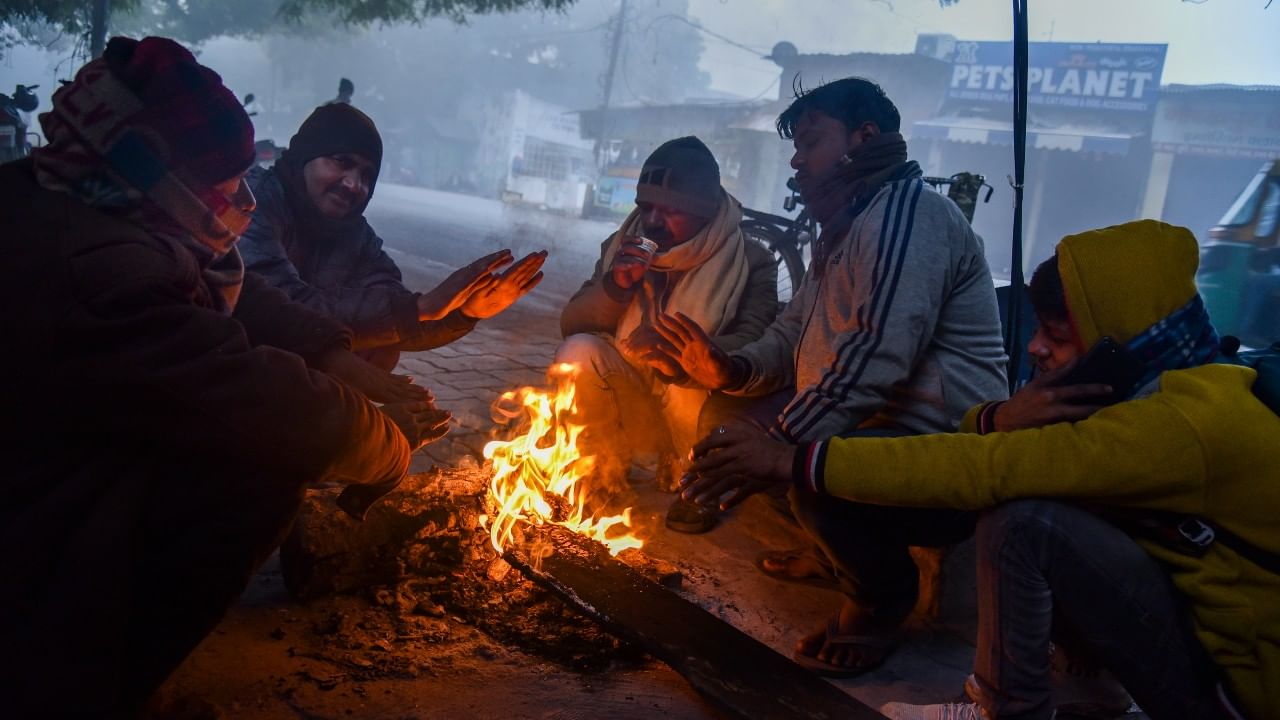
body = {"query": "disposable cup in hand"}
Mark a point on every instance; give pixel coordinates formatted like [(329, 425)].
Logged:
[(649, 247)]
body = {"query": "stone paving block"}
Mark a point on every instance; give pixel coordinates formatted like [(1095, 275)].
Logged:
[(444, 393), (421, 364), (468, 379), (488, 363), (523, 377), (447, 350)]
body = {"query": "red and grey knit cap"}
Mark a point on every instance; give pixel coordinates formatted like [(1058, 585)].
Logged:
[(684, 175), (203, 128), (160, 127)]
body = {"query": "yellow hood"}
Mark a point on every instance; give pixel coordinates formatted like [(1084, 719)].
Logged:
[(1122, 279)]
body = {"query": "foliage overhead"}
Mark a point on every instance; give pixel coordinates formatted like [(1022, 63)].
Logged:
[(367, 12), (194, 21)]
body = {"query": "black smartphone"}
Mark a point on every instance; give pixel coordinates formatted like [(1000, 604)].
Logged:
[(1108, 364)]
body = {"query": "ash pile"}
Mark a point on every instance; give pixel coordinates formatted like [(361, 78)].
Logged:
[(420, 564)]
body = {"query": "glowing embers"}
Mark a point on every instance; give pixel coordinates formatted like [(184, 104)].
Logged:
[(540, 477)]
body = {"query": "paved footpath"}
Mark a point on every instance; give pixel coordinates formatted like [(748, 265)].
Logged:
[(502, 353)]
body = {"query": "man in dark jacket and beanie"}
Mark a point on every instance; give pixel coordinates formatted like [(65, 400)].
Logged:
[(165, 410), (681, 250), (309, 238)]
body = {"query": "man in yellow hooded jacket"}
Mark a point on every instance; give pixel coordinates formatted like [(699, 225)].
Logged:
[(1098, 518)]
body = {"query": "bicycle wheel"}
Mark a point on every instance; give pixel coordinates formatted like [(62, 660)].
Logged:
[(785, 255)]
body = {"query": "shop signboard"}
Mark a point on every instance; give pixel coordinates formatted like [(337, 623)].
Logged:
[(1117, 77)]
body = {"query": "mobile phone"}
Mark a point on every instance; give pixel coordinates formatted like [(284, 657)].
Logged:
[(1107, 363)]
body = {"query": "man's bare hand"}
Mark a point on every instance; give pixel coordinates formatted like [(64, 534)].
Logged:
[(739, 459), (512, 285), (420, 422), (1043, 401), (458, 288), (630, 263), (643, 341), (691, 347), (376, 384)]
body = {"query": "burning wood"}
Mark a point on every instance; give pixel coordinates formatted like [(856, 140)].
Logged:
[(540, 477), (738, 674)]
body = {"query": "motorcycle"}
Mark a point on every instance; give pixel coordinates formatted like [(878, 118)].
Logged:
[(266, 152), (13, 128)]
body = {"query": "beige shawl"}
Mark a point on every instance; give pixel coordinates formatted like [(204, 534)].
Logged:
[(705, 279)]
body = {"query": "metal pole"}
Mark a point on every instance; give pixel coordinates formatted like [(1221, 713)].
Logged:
[(1013, 320), (98, 27), (608, 79)]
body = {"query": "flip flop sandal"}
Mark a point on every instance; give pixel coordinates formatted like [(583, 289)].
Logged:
[(883, 643), (823, 580)]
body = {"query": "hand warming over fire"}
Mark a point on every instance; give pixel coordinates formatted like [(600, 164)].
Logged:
[(458, 288), (690, 347), (420, 421), (512, 285), (740, 459), (377, 385)]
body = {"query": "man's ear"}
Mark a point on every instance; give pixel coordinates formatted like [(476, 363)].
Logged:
[(864, 132)]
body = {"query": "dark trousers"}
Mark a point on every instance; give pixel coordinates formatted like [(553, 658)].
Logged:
[(1047, 569), (132, 562), (868, 544)]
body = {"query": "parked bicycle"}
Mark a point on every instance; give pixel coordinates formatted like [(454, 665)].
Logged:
[(790, 239)]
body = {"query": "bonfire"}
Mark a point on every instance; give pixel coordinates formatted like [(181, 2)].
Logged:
[(539, 475)]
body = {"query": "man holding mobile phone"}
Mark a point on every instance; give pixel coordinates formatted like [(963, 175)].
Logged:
[(1142, 532)]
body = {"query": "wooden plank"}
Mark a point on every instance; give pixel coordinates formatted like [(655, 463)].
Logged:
[(737, 673)]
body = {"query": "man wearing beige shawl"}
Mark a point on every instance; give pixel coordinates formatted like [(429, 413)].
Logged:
[(680, 251)]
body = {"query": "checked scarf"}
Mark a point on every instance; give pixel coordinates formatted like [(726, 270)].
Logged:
[(123, 157), (1183, 339)]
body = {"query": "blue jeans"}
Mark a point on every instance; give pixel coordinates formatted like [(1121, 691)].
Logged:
[(1047, 569)]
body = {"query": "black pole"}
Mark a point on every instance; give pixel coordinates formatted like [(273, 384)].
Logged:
[(608, 81), (1013, 321), (98, 27)]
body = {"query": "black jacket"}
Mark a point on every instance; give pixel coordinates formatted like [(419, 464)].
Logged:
[(344, 274)]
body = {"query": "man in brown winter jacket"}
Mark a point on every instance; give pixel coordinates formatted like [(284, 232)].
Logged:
[(162, 410)]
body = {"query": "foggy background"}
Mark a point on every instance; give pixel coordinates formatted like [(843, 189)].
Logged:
[(507, 109)]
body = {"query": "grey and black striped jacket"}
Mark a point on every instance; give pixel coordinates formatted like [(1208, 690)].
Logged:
[(901, 328)]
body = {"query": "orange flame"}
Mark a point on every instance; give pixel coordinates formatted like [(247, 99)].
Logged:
[(537, 476)]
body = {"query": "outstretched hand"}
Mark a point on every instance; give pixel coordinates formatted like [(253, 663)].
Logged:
[(739, 459), (376, 384), (690, 347), (458, 288), (1045, 401), (420, 422), (512, 285)]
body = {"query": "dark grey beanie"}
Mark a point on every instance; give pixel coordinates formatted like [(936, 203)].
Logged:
[(681, 174)]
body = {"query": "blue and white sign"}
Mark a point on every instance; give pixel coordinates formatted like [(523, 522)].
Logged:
[(1096, 76)]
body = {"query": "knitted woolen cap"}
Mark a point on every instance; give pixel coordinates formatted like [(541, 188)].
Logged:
[(681, 174), (336, 129), (203, 127)]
